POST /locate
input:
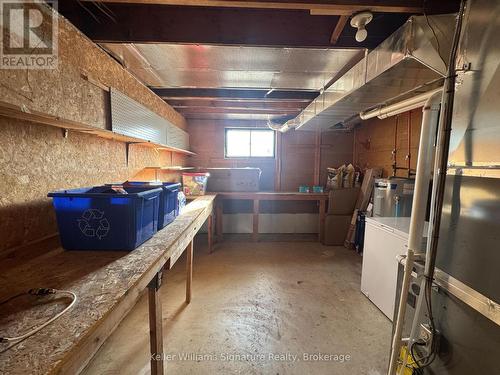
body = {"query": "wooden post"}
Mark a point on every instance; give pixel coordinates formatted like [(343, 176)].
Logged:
[(155, 325), (210, 233), (322, 215), (277, 162), (255, 232), (219, 210), (317, 157), (189, 269)]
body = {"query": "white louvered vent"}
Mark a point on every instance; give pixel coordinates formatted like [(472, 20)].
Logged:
[(131, 118), (177, 137)]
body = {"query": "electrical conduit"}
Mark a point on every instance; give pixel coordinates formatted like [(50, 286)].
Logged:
[(423, 175)]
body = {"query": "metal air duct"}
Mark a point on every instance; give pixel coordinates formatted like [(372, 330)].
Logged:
[(411, 57)]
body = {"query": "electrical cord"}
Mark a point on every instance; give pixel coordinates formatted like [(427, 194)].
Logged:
[(438, 46), (417, 361), (40, 292), (427, 361)]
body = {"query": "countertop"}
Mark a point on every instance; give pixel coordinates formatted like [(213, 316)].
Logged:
[(107, 284)]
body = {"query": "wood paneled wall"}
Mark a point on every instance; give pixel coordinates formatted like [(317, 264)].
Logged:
[(206, 138), (375, 140), (300, 162), (299, 153)]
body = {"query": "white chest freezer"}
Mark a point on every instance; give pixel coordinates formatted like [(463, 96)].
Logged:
[(385, 239)]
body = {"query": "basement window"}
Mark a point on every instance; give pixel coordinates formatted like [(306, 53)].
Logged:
[(249, 143)]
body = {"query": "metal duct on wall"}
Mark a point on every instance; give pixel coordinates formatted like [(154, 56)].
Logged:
[(411, 57)]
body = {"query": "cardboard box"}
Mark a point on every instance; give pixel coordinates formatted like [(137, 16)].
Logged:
[(336, 227), (342, 201), (367, 187), (233, 179)]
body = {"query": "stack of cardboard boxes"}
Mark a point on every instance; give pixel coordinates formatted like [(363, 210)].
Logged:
[(341, 204), (343, 207)]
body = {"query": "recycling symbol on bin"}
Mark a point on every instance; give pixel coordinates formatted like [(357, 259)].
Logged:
[(93, 223)]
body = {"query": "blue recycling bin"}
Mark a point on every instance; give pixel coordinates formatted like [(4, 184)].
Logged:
[(99, 218), (169, 202)]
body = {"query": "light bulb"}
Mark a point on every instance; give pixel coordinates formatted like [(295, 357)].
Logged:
[(361, 34), (359, 21)]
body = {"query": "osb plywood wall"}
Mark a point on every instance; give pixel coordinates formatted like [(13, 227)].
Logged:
[(376, 139), (65, 93), (36, 159), (297, 156)]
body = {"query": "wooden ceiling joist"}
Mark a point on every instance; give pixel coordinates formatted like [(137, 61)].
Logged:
[(223, 93), (201, 110), (224, 103), (158, 21), (340, 7), (339, 27), (232, 100)]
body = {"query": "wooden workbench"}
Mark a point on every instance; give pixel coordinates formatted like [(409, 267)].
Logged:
[(256, 197), (107, 284)]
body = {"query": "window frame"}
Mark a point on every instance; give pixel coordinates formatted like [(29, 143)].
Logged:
[(226, 129)]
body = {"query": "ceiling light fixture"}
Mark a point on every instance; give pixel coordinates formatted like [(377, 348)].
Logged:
[(359, 21)]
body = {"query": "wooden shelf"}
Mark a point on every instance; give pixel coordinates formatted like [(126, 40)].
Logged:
[(17, 112), (167, 168), (173, 168)]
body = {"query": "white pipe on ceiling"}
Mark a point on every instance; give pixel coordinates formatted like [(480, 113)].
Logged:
[(385, 111)]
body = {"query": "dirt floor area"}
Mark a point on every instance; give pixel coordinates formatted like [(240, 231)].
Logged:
[(258, 308)]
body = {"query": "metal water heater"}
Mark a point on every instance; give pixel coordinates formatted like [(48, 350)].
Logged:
[(393, 197)]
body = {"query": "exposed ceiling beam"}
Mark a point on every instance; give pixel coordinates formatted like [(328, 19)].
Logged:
[(153, 23), (234, 116), (234, 93), (189, 110), (258, 103), (233, 100), (143, 23), (339, 27), (334, 7)]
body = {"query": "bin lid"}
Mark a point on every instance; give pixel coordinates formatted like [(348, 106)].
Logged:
[(105, 191)]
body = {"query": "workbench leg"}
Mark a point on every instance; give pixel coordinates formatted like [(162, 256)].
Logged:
[(255, 232), (210, 233), (155, 325), (189, 269), (322, 216), (219, 210)]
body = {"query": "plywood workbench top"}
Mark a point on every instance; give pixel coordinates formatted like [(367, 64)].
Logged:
[(107, 285), (273, 195)]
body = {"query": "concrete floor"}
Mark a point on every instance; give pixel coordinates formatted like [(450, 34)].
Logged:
[(255, 307)]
